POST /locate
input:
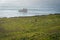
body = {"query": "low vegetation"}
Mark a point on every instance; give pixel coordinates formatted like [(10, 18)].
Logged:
[(45, 27)]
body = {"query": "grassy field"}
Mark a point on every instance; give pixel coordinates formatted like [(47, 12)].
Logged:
[(45, 27)]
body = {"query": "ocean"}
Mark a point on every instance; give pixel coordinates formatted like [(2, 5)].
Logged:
[(31, 12)]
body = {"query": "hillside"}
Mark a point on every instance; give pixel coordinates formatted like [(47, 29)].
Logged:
[(45, 27)]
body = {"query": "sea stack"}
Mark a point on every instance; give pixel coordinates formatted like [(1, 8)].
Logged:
[(24, 10)]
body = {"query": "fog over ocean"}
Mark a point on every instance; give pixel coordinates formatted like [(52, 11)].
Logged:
[(9, 8)]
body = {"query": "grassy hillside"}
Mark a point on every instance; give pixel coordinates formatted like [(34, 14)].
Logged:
[(30, 28)]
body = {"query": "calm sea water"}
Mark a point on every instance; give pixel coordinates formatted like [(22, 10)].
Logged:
[(31, 12)]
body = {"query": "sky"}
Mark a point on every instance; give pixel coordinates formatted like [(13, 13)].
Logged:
[(31, 3)]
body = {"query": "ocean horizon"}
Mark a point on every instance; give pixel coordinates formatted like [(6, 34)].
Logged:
[(31, 12)]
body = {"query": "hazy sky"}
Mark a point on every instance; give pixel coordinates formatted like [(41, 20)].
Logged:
[(31, 3)]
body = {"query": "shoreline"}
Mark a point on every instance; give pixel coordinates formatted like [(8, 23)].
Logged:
[(30, 16)]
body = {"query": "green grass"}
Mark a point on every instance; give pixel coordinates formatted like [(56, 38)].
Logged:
[(45, 27)]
